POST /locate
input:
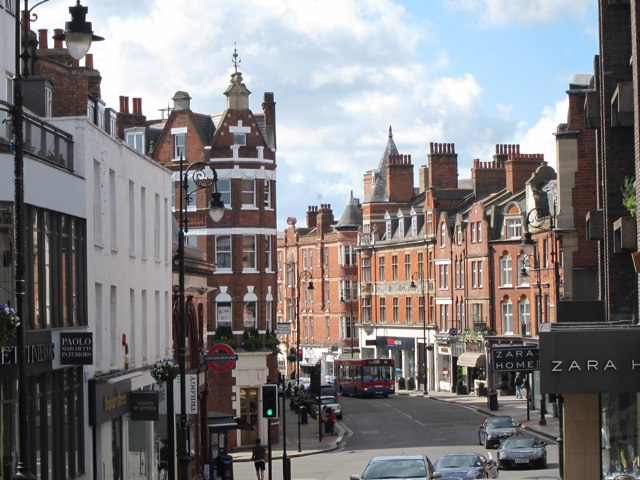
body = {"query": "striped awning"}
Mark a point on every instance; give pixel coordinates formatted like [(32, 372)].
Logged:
[(472, 359)]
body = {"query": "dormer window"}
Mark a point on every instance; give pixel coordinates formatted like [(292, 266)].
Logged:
[(513, 228), (134, 137), (178, 145), (240, 139)]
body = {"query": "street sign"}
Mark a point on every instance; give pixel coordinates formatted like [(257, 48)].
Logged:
[(221, 357), (453, 332), (283, 329)]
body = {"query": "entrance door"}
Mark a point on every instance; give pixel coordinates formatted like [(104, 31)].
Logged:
[(249, 413)]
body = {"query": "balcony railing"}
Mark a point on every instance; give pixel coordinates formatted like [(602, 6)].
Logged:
[(41, 139)]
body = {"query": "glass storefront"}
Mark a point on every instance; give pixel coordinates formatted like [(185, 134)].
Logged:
[(619, 434)]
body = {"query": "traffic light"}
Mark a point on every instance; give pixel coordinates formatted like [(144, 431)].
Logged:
[(314, 384), (292, 354), (300, 354), (270, 400)]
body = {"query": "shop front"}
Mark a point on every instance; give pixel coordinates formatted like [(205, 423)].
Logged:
[(402, 350), (122, 412), (595, 369)]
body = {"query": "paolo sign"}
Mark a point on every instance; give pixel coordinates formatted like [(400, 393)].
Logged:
[(76, 348)]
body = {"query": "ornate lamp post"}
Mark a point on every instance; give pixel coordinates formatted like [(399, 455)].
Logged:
[(303, 275), (543, 221), (198, 173), (414, 277), (78, 36)]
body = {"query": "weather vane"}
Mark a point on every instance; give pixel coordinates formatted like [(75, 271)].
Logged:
[(236, 58)]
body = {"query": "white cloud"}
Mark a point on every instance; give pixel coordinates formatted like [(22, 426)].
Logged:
[(502, 13)]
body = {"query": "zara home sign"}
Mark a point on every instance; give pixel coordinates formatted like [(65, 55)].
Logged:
[(514, 359)]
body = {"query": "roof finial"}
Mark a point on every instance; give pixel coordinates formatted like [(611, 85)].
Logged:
[(390, 132), (236, 58)]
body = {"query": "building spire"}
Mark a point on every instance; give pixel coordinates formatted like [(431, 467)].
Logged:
[(236, 57)]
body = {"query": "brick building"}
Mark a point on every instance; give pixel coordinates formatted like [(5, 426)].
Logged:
[(239, 306), (324, 253)]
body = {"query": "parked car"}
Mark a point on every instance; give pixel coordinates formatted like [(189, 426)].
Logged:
[(522, 452), (417, 467), (309, 397), (466, 466), (326, 401), (494, 430)]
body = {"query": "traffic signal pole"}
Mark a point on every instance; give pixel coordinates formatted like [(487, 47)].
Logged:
[(270, 462)]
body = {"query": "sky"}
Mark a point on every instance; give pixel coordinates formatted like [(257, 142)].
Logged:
[(475, 73)]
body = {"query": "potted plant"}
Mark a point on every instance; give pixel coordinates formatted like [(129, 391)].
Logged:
[(251, 340), (624, 228), (9, 322), (271, 340), (224, 335), (165, 370)]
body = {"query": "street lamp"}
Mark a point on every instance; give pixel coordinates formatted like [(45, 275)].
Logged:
[(303, 275), (78, 35), (420, 276), (198, 173), (351, 322), (543, 221)]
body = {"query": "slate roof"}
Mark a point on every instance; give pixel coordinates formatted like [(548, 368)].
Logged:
[(378, 192), (351, 217)]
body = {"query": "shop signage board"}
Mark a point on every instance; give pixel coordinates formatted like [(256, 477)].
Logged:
[(515, 359), (144, 406), (76, 348)]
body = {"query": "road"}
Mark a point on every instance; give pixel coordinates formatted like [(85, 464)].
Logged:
[(395, 425)]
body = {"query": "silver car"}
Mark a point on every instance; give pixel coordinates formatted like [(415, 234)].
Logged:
[(416, 467), (522, 452)]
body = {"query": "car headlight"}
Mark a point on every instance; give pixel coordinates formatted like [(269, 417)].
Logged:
[(502, 454)]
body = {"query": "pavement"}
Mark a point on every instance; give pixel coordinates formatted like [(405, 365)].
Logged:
[(309, 442)]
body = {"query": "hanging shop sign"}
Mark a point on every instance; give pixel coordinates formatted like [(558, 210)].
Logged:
[(515, 359), (144, 406), (76, 348)]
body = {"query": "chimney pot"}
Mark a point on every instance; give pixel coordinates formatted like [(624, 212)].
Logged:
[(56, 32), (42, 38), (88, 61)]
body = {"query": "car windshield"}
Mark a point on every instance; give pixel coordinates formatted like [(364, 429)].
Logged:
[(329, 400), (501, 422), (457, 461), (521, 443), (398, 468)]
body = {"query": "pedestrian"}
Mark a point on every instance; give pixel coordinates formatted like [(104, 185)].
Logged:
[(525, 387), (259, 455), (163, 460), (331, 421), (324, 418), (519, 382)]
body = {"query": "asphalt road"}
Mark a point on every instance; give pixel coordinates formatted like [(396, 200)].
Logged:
[(394, 425)]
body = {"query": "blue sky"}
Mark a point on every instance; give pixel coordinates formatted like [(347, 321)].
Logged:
[(471, 72)]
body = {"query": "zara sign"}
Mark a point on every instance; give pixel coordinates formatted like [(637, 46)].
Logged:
[(596, 359)]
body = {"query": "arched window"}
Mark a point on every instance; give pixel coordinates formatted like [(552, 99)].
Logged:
[(524, 315)]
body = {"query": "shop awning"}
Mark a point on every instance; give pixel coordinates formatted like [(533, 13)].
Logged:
[(472, 359), (218, 423)]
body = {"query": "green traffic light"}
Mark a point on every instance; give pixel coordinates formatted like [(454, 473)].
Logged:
[(269, 412)]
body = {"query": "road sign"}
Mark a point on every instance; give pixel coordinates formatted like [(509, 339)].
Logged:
[(283, 329), (221, 357), (453, 332)]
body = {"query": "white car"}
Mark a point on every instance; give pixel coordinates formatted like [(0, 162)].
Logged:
[(326, 401)]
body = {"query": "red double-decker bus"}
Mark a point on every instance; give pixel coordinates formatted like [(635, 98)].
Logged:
[(365, 377)]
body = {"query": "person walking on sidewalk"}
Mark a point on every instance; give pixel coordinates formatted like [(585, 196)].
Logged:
[(331, 421), (259, 455), (324, 418), (519, 382)]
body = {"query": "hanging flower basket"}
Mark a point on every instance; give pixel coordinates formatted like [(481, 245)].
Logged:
[(9, 322), (165, 370)]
